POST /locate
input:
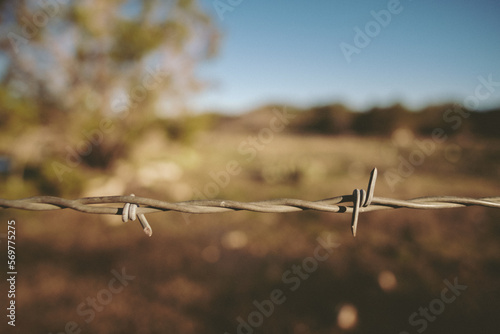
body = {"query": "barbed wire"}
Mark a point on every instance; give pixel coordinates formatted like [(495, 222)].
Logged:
[(136, 207)]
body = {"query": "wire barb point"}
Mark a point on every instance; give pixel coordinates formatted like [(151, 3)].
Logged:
[(362, 198), (145, 225)]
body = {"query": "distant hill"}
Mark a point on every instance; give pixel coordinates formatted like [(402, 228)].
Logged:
[(337, 119)]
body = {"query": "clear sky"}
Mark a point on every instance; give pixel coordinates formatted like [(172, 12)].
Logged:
[(290, 52)]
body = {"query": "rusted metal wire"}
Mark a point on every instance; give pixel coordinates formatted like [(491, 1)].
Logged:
[(362, 201)]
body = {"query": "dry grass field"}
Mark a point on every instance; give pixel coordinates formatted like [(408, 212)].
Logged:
[(407, 271)]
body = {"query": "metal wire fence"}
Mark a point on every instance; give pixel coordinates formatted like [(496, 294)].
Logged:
[(135, 207)]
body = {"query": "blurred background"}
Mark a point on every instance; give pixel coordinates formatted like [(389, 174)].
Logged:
[(250, 100)]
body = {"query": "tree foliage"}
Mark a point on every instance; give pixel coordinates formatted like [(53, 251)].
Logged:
[(81, 80), (98, 56)]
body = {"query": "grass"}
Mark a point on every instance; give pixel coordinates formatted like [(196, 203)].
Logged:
[(199, 273)]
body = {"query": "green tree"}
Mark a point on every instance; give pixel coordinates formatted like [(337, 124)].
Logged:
[(66, 65), (108, 55)]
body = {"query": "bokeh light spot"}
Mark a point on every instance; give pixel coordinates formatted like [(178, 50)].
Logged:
[(387, 280), (347, 317), (234, 240)]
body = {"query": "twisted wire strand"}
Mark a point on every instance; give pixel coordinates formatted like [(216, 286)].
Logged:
[(132, 206), (282, 205)]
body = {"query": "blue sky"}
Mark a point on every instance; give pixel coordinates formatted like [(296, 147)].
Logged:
[(289, 52)]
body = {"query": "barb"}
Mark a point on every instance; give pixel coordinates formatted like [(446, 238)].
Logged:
[(132, 206), (130, 213), (362, 199)]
